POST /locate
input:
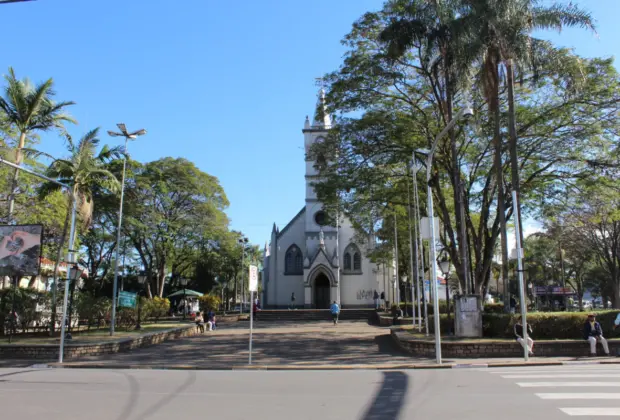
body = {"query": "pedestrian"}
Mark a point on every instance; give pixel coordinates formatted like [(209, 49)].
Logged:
[(383, 299), (200, 322), (617, 322), (292, 301), (513, 305), (211, 320), (255, 309), (518, 331), (593, 333), (335, 310), (376, 298)]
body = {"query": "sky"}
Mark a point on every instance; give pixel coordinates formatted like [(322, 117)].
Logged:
[(226, 85)]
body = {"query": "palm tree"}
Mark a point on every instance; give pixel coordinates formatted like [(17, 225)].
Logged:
[(435, 25), (84, 170), (28, 108), (500, 31)]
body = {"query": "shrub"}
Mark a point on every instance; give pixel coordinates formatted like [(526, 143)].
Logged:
[(126, 317), (442, 307), (93, 309), (545, 325), (155, 308), (494, 308), (209, 302)]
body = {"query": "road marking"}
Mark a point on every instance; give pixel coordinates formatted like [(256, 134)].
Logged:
[(567, 384), (592, 411), (560, 369), (564, 375), (579, 396)]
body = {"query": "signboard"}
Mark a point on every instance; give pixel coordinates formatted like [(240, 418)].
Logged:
[(127, 299), (253, 278), (425, 227), (20, 250), (553, 290)]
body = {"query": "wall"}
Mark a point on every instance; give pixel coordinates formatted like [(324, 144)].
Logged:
[(280, 293), (49, 352), (495, 348)]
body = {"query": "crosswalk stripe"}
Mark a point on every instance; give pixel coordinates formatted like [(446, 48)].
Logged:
[(592, 411), (612, 368), (579, 396), (568, 384), (564, 375)]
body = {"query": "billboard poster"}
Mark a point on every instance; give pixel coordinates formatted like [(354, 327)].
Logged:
[(20, 250)]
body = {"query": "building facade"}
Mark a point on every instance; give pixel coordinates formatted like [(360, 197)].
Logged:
[(314, 261)]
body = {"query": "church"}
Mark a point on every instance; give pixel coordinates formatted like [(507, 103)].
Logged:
[(316, 262)]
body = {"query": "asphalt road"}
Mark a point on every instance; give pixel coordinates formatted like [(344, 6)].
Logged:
[(467, 394)]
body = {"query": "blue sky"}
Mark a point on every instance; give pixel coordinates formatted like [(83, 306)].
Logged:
[(224, 84)]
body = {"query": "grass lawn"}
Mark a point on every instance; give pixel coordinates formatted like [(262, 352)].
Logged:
[(99, 335)]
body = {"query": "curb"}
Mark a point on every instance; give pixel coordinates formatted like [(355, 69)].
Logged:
[(70, 365)]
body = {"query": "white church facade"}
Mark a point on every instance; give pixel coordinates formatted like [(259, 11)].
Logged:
[(316, 262)]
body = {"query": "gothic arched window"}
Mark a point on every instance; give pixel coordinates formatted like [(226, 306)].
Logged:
[(352, 260), (347, 261), (293, 261), (357, 262)]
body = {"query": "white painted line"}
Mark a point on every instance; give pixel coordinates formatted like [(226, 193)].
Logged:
[(580, 396), (564, 375), (518, 371), (592, 411), (568, 384), (470, 366)]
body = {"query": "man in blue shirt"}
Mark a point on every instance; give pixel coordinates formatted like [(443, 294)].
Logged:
[(335, 310)]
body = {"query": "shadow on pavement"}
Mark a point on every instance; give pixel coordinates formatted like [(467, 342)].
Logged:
[(390, 399)]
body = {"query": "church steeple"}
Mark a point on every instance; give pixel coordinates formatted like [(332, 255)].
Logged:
[(322, 119)]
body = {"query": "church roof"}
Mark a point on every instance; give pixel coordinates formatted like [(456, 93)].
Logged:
[(289, 224), (320, 251)]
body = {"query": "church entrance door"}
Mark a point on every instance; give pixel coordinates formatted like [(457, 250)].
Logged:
[(321, 292)]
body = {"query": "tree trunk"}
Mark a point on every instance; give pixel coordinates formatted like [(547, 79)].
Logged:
[(18, 161), (61, 245)]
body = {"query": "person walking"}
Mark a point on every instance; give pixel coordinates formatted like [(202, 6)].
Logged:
[(335, 310), (255, 309), (518, 331), (593, 333), (292, 301), (376, 298), (383, 299)]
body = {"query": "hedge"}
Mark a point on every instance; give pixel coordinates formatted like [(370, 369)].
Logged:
[(545, 325)]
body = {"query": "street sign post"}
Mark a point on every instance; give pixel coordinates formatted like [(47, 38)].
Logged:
[(253, 286)]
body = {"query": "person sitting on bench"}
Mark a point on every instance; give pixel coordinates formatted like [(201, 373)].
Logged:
[(593, 333)]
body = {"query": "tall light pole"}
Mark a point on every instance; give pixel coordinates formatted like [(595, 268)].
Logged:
[(71, 257), (128, 136), (243, 241), (420, 254), (465, 113)]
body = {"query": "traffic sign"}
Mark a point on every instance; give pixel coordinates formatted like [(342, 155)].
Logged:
[(253, 278)]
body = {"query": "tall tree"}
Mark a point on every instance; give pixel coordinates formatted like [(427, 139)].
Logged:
[(172, 207), (30, 108)]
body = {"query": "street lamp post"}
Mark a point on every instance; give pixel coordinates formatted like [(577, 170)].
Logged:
[(128, 136), (71, 243), (444, 266), (183, 283), (142, 282), (243, 241), (76, 275), (465, 112)]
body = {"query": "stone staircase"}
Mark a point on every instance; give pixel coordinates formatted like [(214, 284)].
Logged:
[(285, 315)]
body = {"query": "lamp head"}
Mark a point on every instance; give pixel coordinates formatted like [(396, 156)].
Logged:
[(468, 113)]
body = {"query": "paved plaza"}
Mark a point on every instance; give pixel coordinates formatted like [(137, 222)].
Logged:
[(297, 344)]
